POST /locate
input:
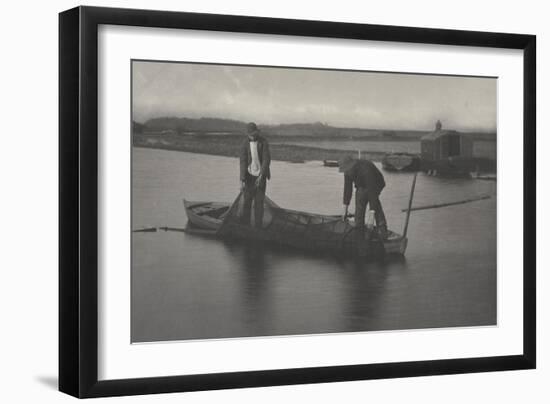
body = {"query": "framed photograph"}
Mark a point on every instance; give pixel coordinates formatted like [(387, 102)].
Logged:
[(251, 201)]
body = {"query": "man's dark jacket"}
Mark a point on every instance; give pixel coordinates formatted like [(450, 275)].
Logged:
[(263, 154), (365, 175)]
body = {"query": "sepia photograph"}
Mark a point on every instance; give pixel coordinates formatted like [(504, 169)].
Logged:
[(276, 201)]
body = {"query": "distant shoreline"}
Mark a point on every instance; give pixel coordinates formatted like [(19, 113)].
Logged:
[(229, 146), (311, 130)]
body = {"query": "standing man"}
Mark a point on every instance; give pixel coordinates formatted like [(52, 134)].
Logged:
[(369, 182), (254, 163)]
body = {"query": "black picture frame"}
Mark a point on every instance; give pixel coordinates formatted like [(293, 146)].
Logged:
[(78, 201)]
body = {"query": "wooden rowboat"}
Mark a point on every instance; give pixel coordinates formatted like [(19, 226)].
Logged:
[(302, 229), (294, 228)]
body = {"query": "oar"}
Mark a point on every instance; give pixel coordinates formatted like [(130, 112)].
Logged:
[(442, 205), (166, 228), (145, 230)]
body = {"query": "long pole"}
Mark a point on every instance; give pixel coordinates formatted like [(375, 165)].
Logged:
[(443, 205), (410, 205)]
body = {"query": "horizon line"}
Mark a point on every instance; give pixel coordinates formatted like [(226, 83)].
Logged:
[(474, 130)]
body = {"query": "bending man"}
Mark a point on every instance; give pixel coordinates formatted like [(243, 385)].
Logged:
[(369, 182)]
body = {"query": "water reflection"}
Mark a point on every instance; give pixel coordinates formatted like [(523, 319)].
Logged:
[(360, 284), (253, 273), (366, 283), (189, 287)]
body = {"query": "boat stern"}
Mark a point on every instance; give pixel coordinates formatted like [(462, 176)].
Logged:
[(396, 245)]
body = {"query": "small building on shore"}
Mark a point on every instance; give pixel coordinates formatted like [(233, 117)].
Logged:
[(442, 144)]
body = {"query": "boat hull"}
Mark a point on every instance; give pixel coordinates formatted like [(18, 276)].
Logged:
[(197, 214), (330, 163), (206, 218)]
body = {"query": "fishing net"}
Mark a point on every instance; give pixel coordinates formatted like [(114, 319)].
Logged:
[(295, 229)]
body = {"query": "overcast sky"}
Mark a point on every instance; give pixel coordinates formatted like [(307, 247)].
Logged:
[(278, 95)]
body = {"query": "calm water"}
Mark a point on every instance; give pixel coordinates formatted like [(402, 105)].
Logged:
[(188, 287), (481, 148)]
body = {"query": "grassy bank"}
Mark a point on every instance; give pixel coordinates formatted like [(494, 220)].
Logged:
[(230, 146)]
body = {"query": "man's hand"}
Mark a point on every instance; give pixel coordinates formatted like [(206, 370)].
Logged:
[(242, 185), (258, 181), (344, 213)]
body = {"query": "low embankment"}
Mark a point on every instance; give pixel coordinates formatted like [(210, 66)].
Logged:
[(228, 145)]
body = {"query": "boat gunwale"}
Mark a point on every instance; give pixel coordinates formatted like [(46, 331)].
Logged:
[(400, 240), (191, 204)]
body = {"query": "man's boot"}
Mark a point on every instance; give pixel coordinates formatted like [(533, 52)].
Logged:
[(383, 231)]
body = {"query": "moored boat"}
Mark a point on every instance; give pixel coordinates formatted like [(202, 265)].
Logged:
[(401, 162), (330, 163)]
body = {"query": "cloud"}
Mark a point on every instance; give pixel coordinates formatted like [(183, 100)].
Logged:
[(340, 98)]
